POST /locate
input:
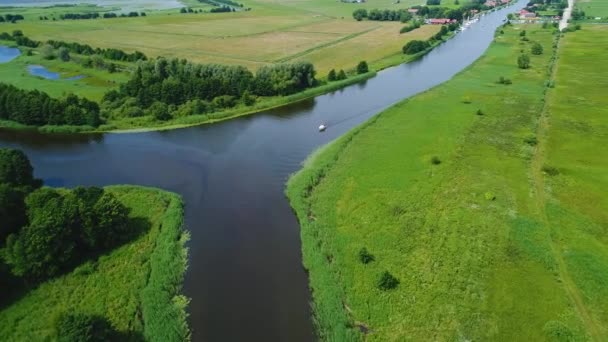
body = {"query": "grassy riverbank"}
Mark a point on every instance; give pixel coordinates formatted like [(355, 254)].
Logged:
[(442, 189), (136, 286)]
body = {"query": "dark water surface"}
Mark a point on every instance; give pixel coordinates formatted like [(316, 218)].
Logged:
[(41, 71), (245, 277)]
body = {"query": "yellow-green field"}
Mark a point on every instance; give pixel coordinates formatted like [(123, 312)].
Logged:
[(320, 32)]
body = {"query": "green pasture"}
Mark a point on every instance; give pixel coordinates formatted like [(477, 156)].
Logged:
[(93, 86), (443, 190), (136, 286)]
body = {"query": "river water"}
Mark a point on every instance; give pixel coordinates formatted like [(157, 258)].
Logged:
[(245, 276)]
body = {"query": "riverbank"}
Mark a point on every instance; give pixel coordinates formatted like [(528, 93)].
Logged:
[(437, 192), (137, 287)]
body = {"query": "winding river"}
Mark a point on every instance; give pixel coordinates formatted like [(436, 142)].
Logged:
[(245, 276)]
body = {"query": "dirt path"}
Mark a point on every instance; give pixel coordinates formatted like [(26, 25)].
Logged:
[(566, 16), (539, 184)]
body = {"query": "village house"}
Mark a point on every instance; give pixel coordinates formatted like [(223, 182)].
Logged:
[(490, 3), (413, 10), (525, 14)]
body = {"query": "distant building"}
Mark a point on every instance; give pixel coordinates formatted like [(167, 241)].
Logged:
[(413, 10), (525, 14), (490, 3)]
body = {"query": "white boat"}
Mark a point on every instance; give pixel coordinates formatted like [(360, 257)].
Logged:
[(322, 128)]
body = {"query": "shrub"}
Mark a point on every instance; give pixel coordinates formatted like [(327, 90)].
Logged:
[(523, 61), (557, 331), (387, 281), (64, 54), (537, 49), (550, 170), (522, 33), (415, 46), (435, 160), (467, 100), (479, 112), (503, 80), (489, 196), (531, 140), (341, 75), (365, 257)]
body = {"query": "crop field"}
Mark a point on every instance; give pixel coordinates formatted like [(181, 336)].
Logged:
[(128, 286), (446, 192), (270, 33)]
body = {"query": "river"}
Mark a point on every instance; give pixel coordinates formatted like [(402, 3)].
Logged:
[(245, 276)]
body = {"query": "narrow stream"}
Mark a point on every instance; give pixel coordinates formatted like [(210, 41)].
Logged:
[(245, 277)]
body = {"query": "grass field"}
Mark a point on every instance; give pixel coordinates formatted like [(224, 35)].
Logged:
[(321, 32), (93, 86), (445, 191), (136, 286), (595, 8)]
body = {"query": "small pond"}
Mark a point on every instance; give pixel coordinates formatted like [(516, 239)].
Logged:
[(40, 71), (7, 54)]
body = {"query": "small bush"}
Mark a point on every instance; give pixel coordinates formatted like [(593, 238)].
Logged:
[(550, 170), (80, 327), (467, 100), (522, 33), (489, 196), (537, 49), (525, 39), (435, 160), (532, 141), (387, 281), (557, 331), (479, 112), (503, 80), (523, 61), (365, 256)]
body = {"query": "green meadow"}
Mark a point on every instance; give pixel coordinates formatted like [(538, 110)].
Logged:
[(136, 286), (93, 86), (484, 200)]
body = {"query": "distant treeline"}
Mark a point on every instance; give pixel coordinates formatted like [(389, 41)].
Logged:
[(167, 88), (95, 15), (77, 48), (36, 108), (11, 18), (382, 15), (221, 2), (222, 9), (417, 46)]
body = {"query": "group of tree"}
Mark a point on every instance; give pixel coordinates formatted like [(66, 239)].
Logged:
[(87, 50), (47, 231), (222, 9), (382, 15), (433, 2), (11, 18), (18, 37), (36, 108), (162, 86), (222, 2), (416, 46), (336, 76)]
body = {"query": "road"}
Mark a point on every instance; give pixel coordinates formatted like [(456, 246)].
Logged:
[(567, 14)]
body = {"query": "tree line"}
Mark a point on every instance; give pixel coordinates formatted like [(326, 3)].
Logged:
[(46, 231), (417, 46), (382, 15), (11, 18), (167, 88), (82, 49), (36, 108)]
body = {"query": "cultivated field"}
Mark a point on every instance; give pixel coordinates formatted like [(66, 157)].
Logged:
[(270, 33), (451, 193)]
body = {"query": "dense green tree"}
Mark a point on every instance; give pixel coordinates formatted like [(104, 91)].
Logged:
[(341, 75), (415, 46), (360, 14), (48, 52), (16, 169), (362, 67), (160, 111), (332, 75), (12, 211), (64, 54), (109, 224), (387, 281), (48, 244)]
